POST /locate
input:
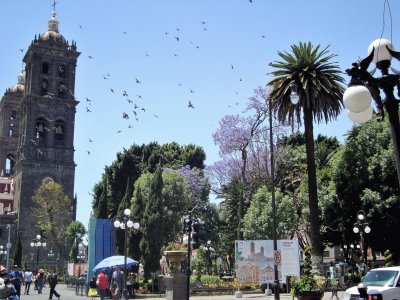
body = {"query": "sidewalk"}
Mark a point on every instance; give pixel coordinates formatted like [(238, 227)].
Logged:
[(69, 294)]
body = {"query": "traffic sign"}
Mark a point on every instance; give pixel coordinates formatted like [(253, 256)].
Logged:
[(277, 257)]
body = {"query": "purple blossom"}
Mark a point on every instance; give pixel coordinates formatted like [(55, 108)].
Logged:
[(196, 182)]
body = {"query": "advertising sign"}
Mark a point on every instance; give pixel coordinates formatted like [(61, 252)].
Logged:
[(255, 260)]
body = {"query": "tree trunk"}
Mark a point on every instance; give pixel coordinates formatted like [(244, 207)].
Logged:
[(315, 236)]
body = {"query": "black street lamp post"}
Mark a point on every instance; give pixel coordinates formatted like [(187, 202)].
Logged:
[(38, 242), (125, 224), (360, 227), (274, 235), (363, 86)]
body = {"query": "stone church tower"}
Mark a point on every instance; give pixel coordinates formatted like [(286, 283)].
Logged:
[(37, 121)]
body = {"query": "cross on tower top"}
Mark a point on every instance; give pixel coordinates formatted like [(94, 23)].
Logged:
[(54, 5)]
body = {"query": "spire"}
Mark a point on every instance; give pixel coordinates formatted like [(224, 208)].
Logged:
[(53, 22), (21, 78)]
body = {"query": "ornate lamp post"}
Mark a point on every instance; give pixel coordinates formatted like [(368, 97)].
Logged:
[(38, 242), (360, 227), (125, 224), (363, 86)]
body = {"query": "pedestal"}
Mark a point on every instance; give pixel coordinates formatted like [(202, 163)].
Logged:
[(176, 286)]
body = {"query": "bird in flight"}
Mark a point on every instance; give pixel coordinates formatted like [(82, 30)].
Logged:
[(119, 131), (22, 50), (135, 107), (80, 26), (90, 140), (125, 93), (140, 96), (177, 38), (143, 109), (88, 100), (137, 80), (232, 67), (125, 116), (192, 91), (112, 91), (104, 77), (90, 57), (190, 105), (156, 116), (129, 100), (88, 152), (87, 109)]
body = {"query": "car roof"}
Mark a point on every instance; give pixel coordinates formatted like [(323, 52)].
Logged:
[(387, 269)]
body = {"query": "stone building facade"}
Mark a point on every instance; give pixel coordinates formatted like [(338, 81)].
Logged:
[(37, 122)]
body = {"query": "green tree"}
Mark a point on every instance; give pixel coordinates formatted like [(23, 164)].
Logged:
[(257, 223), (137, 212), (102, 205), (53, 214), (153, 226), (176, 200), (320, 90), (125, 203), (75, 232), (364, 177), (230, 216)]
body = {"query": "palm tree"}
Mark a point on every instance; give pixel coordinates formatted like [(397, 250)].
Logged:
[(320, 90)]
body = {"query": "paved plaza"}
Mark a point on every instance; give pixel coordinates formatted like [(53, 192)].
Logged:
[(68, 293)]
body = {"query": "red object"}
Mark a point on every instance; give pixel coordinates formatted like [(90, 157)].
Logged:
[(103, 281)]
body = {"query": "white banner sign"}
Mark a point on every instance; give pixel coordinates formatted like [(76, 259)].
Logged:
[(254, 260)]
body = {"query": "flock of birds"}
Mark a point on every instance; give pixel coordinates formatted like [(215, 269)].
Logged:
[(135, 106)]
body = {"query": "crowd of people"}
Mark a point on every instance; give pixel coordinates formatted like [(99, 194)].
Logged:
[(102, 284), (11, 283)]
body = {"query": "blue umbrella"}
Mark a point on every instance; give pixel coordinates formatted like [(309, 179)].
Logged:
[(116, 260)]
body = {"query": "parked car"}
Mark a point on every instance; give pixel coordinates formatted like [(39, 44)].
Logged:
[(382, 284)]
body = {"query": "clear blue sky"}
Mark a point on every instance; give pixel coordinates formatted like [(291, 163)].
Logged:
[(131, 39)]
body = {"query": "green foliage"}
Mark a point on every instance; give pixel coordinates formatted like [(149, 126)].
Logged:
[(153, 225), (388, 259), (75, 231), (175, 195), (258, 220), (307, 261), (53, 213), (229, 215), (364, 177), (102, 204), (306, 283)]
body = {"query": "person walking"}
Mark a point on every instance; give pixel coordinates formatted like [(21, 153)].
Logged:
[(92, 288), (102, 284), (117, 282), (16, 278), (28, 276), (53, 280), (40, 281)]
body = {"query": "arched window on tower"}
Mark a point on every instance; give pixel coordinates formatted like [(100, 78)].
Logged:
[(59, 132), (45, 68), (40, 132)]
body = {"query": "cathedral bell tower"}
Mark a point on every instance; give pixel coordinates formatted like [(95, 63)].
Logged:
[(46, 117)]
